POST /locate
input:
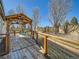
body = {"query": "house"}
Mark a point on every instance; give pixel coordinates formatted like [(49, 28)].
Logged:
[(2, 29), (1, 9)]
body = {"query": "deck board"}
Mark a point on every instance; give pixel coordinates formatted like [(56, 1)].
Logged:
[(23, 48)]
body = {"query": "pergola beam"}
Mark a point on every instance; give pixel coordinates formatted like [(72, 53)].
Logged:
[(20, 16)]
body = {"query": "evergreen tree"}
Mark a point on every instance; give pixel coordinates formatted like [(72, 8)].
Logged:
[(66, 23), (74, 21)]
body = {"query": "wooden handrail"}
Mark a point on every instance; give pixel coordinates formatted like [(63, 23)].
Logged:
[(76, 42), (45, 49), (6, 44), (3, 34), (70, 45)]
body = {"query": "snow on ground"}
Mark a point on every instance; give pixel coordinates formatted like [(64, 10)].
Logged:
[(19, 35)]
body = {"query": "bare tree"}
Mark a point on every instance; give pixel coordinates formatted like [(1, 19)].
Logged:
[(11, 12), (36, 18), (20, 9), (58, 9)]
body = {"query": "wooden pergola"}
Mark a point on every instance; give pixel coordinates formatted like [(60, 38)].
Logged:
[(21, 17), (9, 19)]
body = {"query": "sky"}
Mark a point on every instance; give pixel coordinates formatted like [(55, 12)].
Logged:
[(29, 5)]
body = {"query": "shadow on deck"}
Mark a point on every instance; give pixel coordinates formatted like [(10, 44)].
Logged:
[(23, 48)]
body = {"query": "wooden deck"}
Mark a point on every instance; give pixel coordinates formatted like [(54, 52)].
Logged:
[(23, 48)]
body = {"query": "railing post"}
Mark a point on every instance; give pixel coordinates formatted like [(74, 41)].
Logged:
[(14, 33), (45, 45), (6, 44), (32, 34), (36, 37)]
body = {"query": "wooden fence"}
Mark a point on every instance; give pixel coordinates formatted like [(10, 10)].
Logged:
[(71, 45)]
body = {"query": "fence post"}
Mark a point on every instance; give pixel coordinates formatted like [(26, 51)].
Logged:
[(45, 45)]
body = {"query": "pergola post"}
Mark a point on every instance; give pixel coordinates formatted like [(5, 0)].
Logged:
[(31, 29), (32, 32), (7, 40)]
